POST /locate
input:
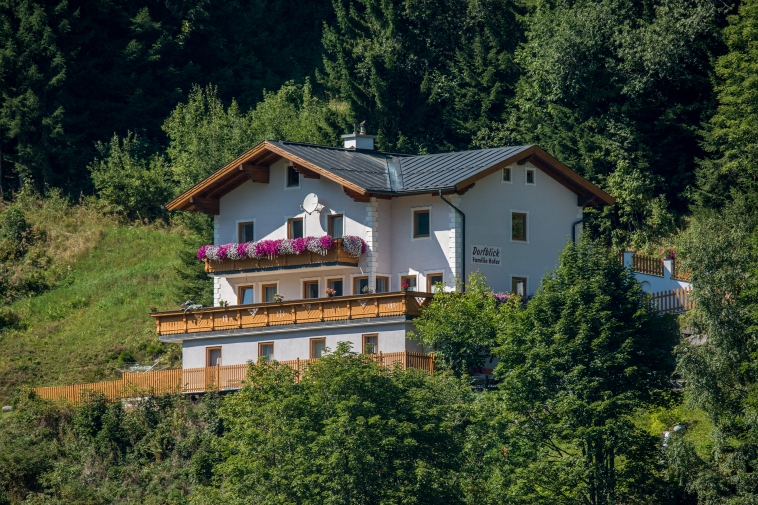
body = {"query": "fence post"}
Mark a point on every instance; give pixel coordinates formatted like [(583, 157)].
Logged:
[(297, 364), (405, 359), (628, 259), (381, 359), (431, 364)]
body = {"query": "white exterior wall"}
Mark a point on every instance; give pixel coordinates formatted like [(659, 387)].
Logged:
[(654, 283), (289, 345), (551, 209), (422, 255)]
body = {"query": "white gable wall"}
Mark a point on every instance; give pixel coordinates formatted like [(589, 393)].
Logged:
[(551, 208)]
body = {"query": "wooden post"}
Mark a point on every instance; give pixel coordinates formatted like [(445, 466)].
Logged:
[(381, 359), (239, 318), (321, 310), (431, 363), (405, 359)]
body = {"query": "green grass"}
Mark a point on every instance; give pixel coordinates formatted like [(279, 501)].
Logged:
[(97, 315)]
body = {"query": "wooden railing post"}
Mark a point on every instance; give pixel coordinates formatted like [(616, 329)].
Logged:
[(405, 359)]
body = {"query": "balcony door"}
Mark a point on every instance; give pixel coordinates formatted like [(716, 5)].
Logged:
[(213, 356)]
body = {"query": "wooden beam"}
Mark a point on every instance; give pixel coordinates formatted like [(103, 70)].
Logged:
[(206, 205), (466, 188), (355, 195), (305, 172), (381, 196), (524, 161), (256, 173), (584, 200)]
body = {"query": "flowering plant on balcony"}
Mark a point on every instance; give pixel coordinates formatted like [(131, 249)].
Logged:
[(353, 246), (278, 298), (668, 253), (405, 286), (331, 292)]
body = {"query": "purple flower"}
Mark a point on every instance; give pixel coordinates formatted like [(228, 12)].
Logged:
[(201, 252), (299, 245), (353, 246), (223, 251), (242, 250), (268, 248)]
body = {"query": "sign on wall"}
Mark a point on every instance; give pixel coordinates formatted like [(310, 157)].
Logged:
[(486, 255)]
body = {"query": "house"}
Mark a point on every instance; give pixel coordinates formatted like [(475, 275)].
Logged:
[(368, 236)]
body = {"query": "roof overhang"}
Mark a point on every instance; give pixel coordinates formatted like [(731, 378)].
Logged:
[(254, 165), (587, 193)]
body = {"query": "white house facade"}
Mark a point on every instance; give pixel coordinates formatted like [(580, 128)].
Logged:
[(424, 222)]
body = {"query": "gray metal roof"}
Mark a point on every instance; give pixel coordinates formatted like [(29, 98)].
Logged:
[(399, 173)]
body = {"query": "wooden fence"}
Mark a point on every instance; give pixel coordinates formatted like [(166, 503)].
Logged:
[(198, 380), (647, 265), (674, 301)]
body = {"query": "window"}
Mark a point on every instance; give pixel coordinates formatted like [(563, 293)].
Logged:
[(408, 283), (245, 232), (310, 289), (266, 350), (318, 347), (371, 343), (431, 282), (530, 176), (382, 284), (245, 295), (213, 356), (518, 285), (336, 285), (293, 177), (421, 223), (360, 285), (334, 225), (506, 175), (268, 291), (518, 226), (295, 227)]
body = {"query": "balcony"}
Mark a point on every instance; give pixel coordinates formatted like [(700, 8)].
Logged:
[(335, 257), (310, 310), (218, 378)]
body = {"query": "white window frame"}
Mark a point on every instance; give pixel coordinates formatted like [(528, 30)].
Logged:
[(407, 274), (434, 271), (267, 283), (237, 228), (335, 213), (287, 224), (286, 175), (328, 278), (528, 282), (352, 283), (413, 223), (528, 224), (389, 281), (303, 280), (502, 172), (527, 169)]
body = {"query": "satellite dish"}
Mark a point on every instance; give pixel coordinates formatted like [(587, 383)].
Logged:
[(311, 204)]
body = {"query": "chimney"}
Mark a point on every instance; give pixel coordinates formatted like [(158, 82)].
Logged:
[(360, 140)]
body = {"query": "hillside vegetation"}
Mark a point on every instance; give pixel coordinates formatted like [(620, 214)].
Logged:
[(81, 295)]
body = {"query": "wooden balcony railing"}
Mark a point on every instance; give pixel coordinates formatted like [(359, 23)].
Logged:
[(647, 265), (291, 312), (337, 256), (674, 301), (198, 380)]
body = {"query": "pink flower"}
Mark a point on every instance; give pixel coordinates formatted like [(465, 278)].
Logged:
[(300, 245), (223, 251), (201, 252), (242, 250)]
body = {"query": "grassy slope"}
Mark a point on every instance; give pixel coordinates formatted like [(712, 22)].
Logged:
[(99, 308)]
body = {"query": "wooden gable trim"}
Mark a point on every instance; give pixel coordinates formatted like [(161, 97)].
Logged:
[(206, 205), (299, 162), (552, 167), (308, 174), (250, 166), (358, 197), (256, 173)]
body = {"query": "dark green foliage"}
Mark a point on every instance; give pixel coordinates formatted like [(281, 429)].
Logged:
[(576, 363), (14, 234), (74, 73), (730, 135), (721, 251), (138, 185), (104, 453), (422, 73), (460, 327), (349, 432)]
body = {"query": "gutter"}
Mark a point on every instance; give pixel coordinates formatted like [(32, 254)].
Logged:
[(463, 238), (573, 227)]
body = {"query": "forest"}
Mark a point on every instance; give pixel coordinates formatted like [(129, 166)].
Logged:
[(108, 109)]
